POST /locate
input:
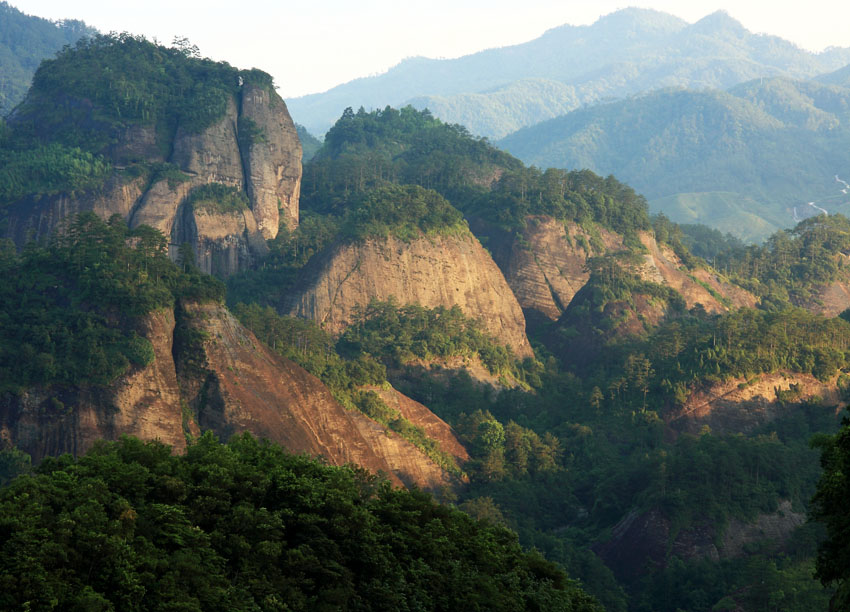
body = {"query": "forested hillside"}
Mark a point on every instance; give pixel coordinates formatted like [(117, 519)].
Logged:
[(24, 42), (760, 152), (528, 344)]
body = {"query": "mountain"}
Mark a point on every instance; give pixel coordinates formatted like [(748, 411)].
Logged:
[(760, 151), (24, 42), (159, 357), (218, 169), (429, 270), (498, 91)]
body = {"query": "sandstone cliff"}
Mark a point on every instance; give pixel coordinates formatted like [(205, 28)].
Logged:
[(210, 373), (662, 266), (144, 403), (430, 271), (253, 148), (546, 264), (739, 405)]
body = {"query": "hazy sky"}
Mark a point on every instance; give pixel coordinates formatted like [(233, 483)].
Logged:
[(312, 45)]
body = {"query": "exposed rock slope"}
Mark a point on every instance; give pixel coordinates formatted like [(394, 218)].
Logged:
[(144, 403), (739, 405), (430, 271), (546, 265), (253, 148), (663, 267), (210, 373)]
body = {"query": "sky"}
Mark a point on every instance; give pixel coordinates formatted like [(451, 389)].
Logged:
[(310, 46)]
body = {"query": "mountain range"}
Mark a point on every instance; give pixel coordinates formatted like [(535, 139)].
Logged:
[(526, 344), (498, 91), (756, 158)]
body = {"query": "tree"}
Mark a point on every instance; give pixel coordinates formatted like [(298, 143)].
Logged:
[(829, 506)]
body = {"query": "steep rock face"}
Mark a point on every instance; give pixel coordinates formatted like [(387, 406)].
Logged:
[(644, 541), (234, 384), (430, 271), (433, 426), (739, 405), (224, 242), (212, 155), (210, 373), (265, 163), (144, 403), (546, 265), (272, 158), (35, 218), (662, 266)]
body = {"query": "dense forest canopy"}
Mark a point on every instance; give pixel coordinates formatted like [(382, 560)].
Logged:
[(363, 150), (244, 526)]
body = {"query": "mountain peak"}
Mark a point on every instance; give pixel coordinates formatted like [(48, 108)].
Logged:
[(646, 20), (720, 23)]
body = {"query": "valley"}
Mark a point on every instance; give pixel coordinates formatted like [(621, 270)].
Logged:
[(414, 371)]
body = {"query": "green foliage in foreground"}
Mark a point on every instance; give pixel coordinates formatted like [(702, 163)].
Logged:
[(247, 527), (69, 310), (829, 506)]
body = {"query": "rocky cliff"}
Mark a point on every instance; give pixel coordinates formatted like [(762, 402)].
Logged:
[(210, 373), (144, 403), (253, 149), (662, 266), (431, 271), (546, 265), (740, 405)]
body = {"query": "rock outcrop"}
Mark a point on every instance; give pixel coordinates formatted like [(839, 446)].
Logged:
[(272, 164), (738, 405), (546, 264), (431, 271), (662, 266), (145, 403), (253, 148), (210, 373)]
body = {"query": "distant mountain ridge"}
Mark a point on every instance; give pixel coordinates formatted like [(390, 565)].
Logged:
[(747, 160), (497, 91), (25, 41)]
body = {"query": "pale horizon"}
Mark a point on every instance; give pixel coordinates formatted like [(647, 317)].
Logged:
[(312, 47)]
